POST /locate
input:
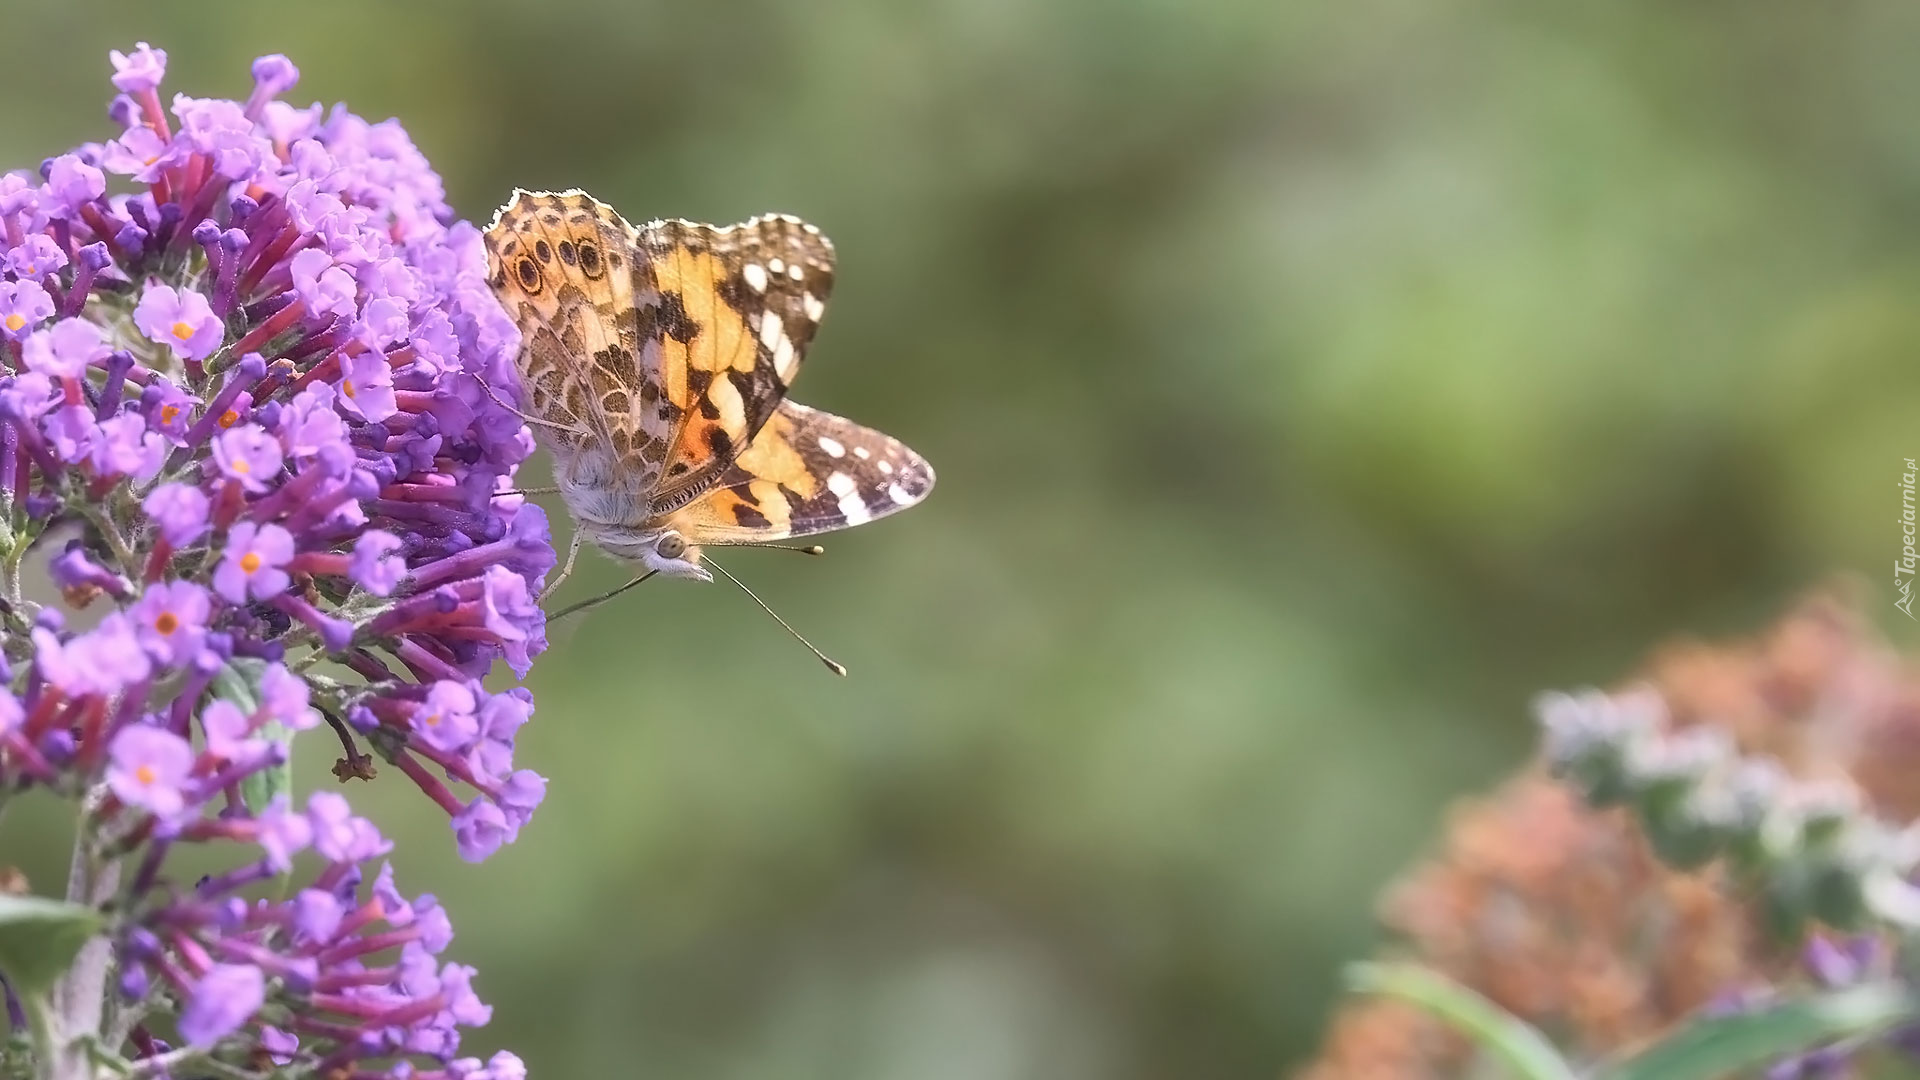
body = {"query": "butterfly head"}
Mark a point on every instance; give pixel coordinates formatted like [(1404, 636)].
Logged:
[(670, 554)]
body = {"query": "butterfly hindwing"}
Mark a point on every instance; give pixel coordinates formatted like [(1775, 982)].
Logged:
[(806, 472)]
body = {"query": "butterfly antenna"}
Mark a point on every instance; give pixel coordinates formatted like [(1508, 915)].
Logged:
[(585, 605), (832, 665), (810, 549)]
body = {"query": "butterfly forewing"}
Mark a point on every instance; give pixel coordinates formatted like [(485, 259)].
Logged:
[(735, 311)]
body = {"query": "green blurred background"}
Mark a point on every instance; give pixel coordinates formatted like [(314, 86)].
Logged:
[(1309, 383)]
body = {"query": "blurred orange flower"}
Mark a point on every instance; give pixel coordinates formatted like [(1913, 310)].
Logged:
[(1562, 915)]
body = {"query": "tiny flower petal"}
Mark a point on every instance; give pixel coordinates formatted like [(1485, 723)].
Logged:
[(73, 182), (317, 915), (171, 621), (284, 696), (24, 305), (366, 387), (446, 721), (251, 566), (180, 319), (480, 829), (179, 511), (65, 350), (338, 834), (227, 729), (226, 997), (283, 834), (245, 452), (274, 75), (377, 566), (140, 70), (148, 768)]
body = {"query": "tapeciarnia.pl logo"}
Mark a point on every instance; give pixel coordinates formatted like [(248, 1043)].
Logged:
[(1903, 567)]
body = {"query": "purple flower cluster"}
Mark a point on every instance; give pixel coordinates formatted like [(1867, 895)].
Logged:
[(340, 978), (257, 374), (242, 353)]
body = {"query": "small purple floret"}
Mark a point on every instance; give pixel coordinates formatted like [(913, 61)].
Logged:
[(251, 565), (226, 997), (149, 769)]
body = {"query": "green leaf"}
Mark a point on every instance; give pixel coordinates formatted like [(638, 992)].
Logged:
[(261, 788), (1724, 1045), (1504, 1036), (39, 938), (238, 681)]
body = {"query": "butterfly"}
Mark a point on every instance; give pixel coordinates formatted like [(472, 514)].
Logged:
[(656, 361)]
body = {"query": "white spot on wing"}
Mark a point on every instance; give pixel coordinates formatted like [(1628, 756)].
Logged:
[(832, 446), (770, 330), (840, 484), (813, 307), (795, 272), (777, 266), (854, 509), (898, 494), (756, 276), (862, 453), (886, 468), (726, 397)]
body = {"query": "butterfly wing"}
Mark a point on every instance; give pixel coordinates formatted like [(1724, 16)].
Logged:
[(726, 317), (564, 265), (806, 472), (670, 348)]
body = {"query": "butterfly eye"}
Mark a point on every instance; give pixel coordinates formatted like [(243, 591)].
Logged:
[(529, 275), (670, 546)]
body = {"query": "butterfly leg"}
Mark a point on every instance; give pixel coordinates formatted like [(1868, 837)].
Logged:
[(566, 571)]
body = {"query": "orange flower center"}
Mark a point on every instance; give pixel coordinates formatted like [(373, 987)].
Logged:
[(432, 720), (229, 418), (250, 561), (168, 413), (16, 320), (346, 385), (240, 465), (167, 623), (182, 330), (144, 774)]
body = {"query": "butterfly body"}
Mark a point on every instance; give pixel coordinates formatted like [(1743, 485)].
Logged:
[(657, 361), (599, 507)]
